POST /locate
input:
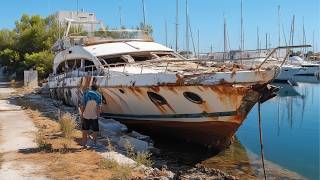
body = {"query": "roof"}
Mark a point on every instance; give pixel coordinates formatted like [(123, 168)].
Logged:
[(124, 47)]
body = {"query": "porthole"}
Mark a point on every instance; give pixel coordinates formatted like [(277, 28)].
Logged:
[(156, 98), (193, 97), (122, 91)]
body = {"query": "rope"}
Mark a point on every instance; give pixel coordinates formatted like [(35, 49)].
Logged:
[(261, 144)]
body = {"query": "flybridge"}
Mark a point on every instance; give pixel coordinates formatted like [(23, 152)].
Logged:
[(98, 34)]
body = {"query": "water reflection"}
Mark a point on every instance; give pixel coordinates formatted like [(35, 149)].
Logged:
[(290, 125)]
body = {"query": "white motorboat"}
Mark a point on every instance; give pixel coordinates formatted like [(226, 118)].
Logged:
[(152, 89), (307, 68)]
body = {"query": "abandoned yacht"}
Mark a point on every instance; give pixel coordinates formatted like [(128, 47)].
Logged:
[(154, 90)]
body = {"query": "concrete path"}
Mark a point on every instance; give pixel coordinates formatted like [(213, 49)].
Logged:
[(16, 135)]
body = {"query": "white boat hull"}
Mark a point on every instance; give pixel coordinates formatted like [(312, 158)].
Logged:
[(213, 122), (309, 70), (287, 73)]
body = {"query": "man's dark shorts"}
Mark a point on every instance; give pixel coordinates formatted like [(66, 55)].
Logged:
[(87, 123)]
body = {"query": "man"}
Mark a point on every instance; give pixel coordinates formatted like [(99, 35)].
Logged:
[(90, 110)]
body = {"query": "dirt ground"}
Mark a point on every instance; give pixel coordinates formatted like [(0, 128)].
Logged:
[(60, 158)]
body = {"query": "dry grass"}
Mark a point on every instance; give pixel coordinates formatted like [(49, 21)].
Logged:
[(66, 157), (67, 125), (140, 157), (41, 141), (110, 146), (144, 158)]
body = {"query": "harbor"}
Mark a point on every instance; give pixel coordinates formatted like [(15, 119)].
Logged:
[(83, 96)]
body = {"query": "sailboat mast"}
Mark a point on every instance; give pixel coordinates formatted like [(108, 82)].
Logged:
[(266, 40), (224, 38), (258, 40), (177, 15), (279, 36), (166, 32), (303, 36), (144, 15), (187, 30), (198, 44), (241, 33), (293, 29), (313, 45), (120, 16)]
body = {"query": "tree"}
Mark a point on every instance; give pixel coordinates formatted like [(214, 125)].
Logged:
[(9, 57), (7, 39), (40, 61)]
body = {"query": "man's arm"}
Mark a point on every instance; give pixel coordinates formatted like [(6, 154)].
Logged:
[(99, 105)]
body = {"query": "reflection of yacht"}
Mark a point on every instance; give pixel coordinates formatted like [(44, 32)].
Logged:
[(286, 90), (154, 90)]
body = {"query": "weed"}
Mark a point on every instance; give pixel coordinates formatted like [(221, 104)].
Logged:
[(123, 172), (67, 125), (41, 141), (129, 149), (110, 146), (140, 157), (65, 145), (108, 164), (144, 158)]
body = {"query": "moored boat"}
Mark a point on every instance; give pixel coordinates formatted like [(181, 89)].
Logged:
[(154, 90)]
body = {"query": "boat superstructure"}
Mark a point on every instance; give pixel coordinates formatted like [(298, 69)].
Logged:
[(152, 89)]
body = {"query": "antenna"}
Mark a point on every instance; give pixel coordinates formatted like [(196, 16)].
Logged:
[(144, 15), (177, 25)]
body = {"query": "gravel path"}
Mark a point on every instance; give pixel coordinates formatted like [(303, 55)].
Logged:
[(16, 136)]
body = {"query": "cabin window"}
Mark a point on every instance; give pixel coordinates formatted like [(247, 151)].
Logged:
[(68, 65), (193, 97), (156, 98), (89, 65), (113, 60), (144, 57)]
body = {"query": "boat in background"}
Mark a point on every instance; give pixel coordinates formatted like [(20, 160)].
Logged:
[(307, 68)]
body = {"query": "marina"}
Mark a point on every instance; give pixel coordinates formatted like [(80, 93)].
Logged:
[(92, 94)]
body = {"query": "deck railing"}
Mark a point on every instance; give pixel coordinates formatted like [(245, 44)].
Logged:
[(104, 70)]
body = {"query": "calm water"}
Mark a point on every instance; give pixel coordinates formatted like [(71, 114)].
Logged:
[(290, 124), (290, 128)]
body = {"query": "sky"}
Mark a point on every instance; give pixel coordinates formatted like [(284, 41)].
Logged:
[(206, 16)]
